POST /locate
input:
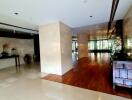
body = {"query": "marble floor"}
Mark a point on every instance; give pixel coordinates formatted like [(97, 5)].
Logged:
[(28, 85)]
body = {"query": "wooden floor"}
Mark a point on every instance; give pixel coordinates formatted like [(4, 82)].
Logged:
[(92, 76)]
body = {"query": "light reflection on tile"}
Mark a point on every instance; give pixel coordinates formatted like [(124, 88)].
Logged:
[(10, 80), (4, 85)]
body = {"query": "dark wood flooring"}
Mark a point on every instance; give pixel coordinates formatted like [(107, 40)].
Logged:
[(93, 76)]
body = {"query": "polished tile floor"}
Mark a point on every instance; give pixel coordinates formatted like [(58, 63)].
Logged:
[(28, 85)]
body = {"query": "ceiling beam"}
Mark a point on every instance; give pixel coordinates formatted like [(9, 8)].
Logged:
[(115, 9), (1, 23), (112, 15)]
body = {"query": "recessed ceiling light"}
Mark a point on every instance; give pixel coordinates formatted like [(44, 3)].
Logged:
[(90, 16), (16, 13), (85, 1)]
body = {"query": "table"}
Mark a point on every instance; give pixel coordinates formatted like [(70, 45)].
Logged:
[(17, 60)]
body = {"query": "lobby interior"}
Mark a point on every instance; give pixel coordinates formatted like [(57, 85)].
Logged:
[(66, 50)]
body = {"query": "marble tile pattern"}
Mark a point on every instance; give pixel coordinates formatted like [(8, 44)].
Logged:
[(28, 85)]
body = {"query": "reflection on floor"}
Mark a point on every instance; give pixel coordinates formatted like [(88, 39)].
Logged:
[(28, 85), (101, 58), (94, 74), (10, 75)]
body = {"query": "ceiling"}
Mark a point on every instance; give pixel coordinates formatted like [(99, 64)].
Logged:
[(75, 13)]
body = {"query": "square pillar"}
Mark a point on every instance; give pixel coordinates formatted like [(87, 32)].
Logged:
[(55, 48), (82, 45)]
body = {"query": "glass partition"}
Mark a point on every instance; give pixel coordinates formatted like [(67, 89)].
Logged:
[(100, 44), (129, 43)]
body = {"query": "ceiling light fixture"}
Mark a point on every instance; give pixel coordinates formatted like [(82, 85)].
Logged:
[(16, 13), (90, 16)]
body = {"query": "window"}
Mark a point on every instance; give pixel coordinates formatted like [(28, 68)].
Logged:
[(91, 45), (100, 44), (129, 43)]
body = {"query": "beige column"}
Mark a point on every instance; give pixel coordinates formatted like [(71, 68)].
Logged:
[(82, 45), (55, 48)]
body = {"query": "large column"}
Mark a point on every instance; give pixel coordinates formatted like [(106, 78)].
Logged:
[(55, 48), (66, 47), (82, 45)]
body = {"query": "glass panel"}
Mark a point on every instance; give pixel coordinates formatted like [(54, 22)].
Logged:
[(129, 43), (73, 45), (98, 45), (105, 44), (91, 45), (101, 44)]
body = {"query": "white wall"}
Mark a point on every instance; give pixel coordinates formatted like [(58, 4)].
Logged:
[(55, 48)]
